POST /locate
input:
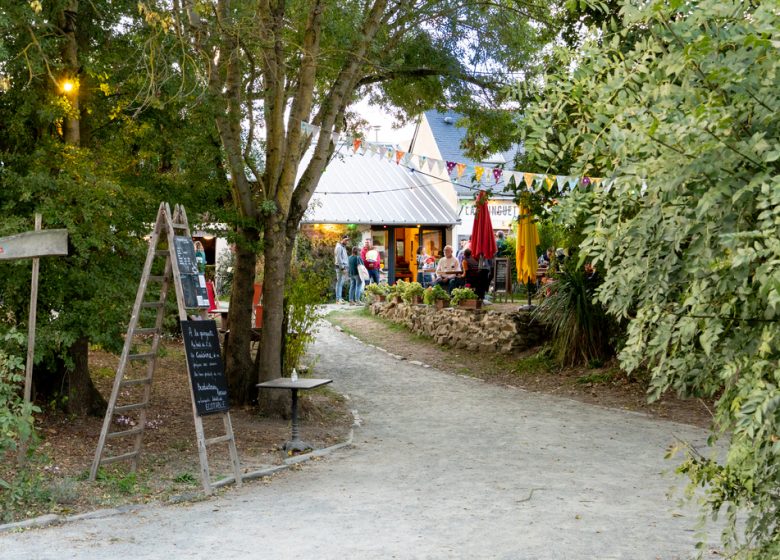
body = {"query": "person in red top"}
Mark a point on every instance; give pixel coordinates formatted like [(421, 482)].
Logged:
[(373, 261)]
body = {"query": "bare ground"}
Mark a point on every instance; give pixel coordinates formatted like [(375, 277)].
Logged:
[(607, 386), (169, 464)]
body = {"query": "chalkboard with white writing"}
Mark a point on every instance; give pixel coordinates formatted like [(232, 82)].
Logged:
[(501, 279), (193, 284), (204, 362)]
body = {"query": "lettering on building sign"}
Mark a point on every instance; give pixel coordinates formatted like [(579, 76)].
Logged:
[(494, 209)]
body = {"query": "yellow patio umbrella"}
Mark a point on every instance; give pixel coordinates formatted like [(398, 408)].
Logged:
[(525, 255)]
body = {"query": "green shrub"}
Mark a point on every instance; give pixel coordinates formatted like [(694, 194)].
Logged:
[(580, 327), (434, 293), (462, 294), (411, 290)]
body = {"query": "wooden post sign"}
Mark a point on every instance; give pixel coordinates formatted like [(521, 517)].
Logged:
[(31, 245)]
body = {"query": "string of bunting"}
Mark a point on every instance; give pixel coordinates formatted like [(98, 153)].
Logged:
[(457, 170)]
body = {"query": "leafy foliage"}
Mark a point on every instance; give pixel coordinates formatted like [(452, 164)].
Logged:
[(434, 293), (461, 294), (20, 484), (581, 330), (411, 290), (684, 124)]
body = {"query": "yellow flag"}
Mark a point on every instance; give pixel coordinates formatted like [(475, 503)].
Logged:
[(478, 171)]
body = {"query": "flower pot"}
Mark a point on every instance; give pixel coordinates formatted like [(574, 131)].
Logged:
[(416, 300), (470, 304), (381, 297), (441, 303), (398, 299)]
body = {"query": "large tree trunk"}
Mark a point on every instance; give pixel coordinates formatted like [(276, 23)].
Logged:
[(238, 361), (70, 387), (276, 262), (83, 397)]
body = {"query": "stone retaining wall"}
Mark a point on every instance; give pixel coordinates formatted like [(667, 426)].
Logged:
[(496, 331)]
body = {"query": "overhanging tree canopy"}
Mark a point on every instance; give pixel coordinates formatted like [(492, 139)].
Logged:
[(685, 121), (277, 63)]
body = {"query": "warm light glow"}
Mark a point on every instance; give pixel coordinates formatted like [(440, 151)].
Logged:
[(68, 86)]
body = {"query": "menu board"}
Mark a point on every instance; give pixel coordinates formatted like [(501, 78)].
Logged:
[(193, 284), (204, 363), (501, 279)]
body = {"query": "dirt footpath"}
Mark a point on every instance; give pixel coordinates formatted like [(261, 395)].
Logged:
[(442, 466)]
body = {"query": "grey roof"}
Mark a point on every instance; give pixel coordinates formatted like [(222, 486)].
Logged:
[(449, 139), (366, 189)]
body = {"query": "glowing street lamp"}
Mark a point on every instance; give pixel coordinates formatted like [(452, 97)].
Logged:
[(68, 86)]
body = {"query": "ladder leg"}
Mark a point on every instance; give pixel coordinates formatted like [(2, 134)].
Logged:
[(232, 446)]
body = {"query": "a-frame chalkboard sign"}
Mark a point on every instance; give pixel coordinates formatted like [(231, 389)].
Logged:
[(133, 381)]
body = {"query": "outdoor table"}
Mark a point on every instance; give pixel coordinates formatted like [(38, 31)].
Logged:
[(295, 443)]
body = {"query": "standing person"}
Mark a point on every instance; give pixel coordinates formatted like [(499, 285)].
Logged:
[(500, 244), (373, 261), (355, 281), (341, 262), (200, 257), (464, 244), (448, 270)]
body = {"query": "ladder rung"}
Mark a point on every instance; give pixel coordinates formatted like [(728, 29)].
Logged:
[(219, 439), (162, 253), (132, 432), (106, 460), (147, 356), (129, 407), (152, 304), (180, 226), (132, 382), (157, 278), (149, 330)]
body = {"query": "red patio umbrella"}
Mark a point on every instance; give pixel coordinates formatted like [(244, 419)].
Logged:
[(483, 243)]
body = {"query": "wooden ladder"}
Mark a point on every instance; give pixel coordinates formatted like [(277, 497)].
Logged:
[(128, 381)]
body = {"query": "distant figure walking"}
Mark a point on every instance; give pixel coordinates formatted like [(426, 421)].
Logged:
[(200, 257), (355, 281), (341, 263)]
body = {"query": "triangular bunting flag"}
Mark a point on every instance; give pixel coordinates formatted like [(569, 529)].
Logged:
[(450, 167), (356, 144), (422, 160), (389, 152), (549, 180), (596, 181), (573, 182), (478, 171), (461, 167), (407, 159), (398, 155), (335, 137), (529, 179), (561, 181), (434, 163), (586, 182), (497, 171)]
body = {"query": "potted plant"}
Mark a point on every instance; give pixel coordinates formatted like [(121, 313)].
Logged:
[(465, 297), (397, 291), (378, 291), (413, 292), (436, 295)]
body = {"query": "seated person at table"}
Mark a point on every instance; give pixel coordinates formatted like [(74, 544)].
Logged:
[(471, 275), (448, 269), (425, 267)]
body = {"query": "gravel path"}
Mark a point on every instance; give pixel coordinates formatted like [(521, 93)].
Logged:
[(442, 466)]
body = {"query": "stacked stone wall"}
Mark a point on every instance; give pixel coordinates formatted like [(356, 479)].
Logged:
[(476, 330)]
